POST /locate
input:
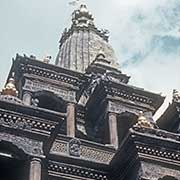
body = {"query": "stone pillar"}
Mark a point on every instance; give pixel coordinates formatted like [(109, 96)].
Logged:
[(70, 120), (27, 98), (35, 169), (113, 129)]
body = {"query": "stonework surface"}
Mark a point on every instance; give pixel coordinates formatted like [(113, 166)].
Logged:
[(155, 172), (29, 146)]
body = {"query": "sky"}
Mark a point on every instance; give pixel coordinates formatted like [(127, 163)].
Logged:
[(145, 35)]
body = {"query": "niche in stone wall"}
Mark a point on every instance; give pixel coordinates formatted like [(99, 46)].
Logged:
[(50, 101)]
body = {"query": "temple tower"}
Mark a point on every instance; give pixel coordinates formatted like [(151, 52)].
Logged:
[(80, 44)]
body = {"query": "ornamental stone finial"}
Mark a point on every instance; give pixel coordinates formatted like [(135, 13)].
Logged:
[(143, 121), (10, 88), (176, 96), (47, 59), (82, 16)]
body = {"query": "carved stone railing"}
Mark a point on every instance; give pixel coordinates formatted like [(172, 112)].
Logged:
[(81, 149)]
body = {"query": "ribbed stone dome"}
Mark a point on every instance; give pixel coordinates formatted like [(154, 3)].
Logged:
[(82, 42)]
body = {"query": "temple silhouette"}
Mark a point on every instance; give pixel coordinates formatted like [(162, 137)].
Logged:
[(80, 119)]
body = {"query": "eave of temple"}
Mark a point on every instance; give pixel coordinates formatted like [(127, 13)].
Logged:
[(80, 44)]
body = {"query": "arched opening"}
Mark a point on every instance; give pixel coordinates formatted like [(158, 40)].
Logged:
[(13, 162), (168, 178), (48, 100)]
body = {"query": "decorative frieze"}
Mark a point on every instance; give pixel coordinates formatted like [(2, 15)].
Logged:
[(77, 149), (34, 86), (17, 121), (131, 96), (29, 146), (119, 108), (154, 151), (52, 75), (59, 147), (94, 154), (64, 170), (157, 132)]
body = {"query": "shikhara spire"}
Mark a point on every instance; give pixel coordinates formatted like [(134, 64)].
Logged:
[(80, 44)]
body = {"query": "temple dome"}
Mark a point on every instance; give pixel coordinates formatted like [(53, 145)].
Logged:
[(80, 44)]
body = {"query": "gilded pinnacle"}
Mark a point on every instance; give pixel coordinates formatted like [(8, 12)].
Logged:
[(143, 121), (10, 88)]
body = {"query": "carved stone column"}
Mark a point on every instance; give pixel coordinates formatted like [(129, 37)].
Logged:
[(27, 96), (71, 119), (35, 169), (113, 129)]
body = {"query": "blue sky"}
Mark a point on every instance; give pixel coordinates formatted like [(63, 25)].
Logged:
[(144, 33)]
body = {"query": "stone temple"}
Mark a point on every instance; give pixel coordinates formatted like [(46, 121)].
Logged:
[(80, 119)]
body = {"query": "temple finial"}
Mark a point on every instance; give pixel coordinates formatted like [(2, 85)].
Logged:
[(176, 96), (10, 88), (143, 121), (47, 59), (82, 16)]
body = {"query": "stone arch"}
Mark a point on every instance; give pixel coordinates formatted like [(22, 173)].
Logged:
[(12, 150), (49, 100), (13, 162)]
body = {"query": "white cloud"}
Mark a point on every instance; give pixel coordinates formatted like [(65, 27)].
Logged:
[(146, 38), (135, 26)]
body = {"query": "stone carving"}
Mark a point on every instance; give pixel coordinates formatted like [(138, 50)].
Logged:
[(85, 152), (154, 171), (97, 155), (29, 146), (59, 148), (15, 123), (74, 147), (35, 86)]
